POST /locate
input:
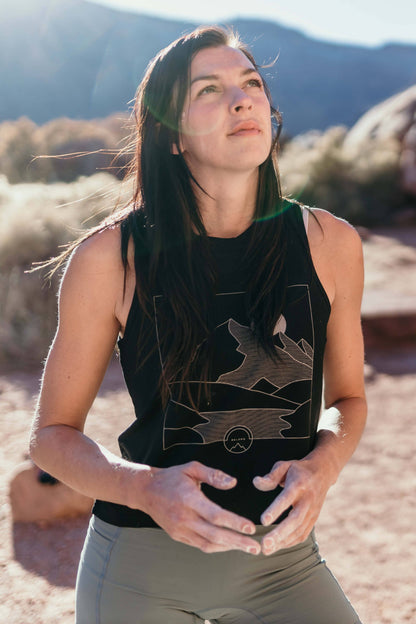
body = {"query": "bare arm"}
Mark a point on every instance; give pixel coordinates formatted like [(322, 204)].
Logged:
[(90, 300), (84, 341), (307, 481), (343, 420)]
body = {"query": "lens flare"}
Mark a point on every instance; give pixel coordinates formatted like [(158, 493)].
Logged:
[(281, 207)]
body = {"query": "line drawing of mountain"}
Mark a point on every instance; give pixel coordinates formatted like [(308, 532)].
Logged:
[(249, 391), (237, 448), (187, 435), (183, 417), (296, 363)]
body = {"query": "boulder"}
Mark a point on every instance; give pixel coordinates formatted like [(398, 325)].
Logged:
[(390, 122), (386, 330), (388, 318), (36, 498)]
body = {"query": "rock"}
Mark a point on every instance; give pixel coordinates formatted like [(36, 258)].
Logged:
[(408, 159), (392, 121), (389, 330), (34, 501), (388, 318)]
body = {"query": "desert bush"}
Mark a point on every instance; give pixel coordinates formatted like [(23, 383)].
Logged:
[(31, 153), (18, 146), (61, 137), (364, 189), (35, 220)]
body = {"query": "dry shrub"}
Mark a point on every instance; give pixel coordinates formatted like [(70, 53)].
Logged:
[(98, 142), (364, 189), (35, 220), (27, 318), (31, 153), (18, 146)]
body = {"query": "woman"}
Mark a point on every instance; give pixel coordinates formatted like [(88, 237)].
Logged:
[(228, 315)]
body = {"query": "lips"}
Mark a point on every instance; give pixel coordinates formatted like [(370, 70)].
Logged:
[(245, 128)]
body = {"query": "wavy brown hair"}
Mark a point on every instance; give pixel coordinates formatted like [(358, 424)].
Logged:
[(171, 251)]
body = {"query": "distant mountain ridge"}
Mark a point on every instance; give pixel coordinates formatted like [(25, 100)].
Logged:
[(81, 60)]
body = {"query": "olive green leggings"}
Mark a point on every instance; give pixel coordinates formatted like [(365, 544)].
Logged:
[(142, 576)]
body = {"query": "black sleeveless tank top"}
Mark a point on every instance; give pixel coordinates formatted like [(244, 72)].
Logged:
[(259, 411)]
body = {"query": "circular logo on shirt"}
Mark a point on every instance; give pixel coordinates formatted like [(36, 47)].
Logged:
[(238, 439)]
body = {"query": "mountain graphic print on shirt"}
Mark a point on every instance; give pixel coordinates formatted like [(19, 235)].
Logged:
[(251, 396)]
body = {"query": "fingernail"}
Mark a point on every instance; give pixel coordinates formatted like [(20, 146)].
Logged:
[(267, 519), (268, 543), (253, 550), (227, 480), (248, 529)]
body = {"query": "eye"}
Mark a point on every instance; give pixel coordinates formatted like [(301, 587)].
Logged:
[(207, 89), (255, 82)]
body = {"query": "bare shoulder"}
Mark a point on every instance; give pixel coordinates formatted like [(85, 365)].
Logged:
[(100, 252), (98, 259), (336, 251), (333, 233), (94, 277)]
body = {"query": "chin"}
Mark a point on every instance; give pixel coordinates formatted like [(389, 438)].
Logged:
[(251, 156), (247, 164)]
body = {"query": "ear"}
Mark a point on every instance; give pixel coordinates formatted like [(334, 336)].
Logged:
[(174, 149)]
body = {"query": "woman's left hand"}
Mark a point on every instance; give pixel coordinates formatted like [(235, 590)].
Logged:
[(305, 485)]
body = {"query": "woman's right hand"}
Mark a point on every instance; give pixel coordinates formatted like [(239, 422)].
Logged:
[(174, 500)]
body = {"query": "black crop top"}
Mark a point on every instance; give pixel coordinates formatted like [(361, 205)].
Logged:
[(259, 411)]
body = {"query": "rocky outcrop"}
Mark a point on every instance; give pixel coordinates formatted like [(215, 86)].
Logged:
[(387, 329), (388, 319), (388, 308), (393, 120)]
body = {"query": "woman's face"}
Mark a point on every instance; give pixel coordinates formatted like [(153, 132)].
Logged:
[(226, 120)]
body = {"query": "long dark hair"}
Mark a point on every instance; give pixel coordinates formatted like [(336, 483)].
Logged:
[(165, 224), (165, 204)]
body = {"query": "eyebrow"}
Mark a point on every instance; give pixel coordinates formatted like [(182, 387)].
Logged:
[(244, 72)]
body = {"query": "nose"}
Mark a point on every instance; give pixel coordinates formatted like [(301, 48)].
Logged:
[(240, 101)]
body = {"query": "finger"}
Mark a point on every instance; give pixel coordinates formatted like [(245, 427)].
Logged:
[(291, 531), (271, 543), (295, 529), (296, 538), (193, 538), (280, 504), (216, 515), (226, 540), (265, 484), (214, 477), (273, 478)]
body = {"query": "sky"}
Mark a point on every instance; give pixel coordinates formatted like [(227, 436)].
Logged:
[(359, 22)]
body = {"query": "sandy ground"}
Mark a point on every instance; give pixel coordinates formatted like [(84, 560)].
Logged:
[(366, 529)]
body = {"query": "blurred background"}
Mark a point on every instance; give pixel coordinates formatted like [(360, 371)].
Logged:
[(343, 75), (344, 81)]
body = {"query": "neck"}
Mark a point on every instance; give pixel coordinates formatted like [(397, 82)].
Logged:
[(228, 209)]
